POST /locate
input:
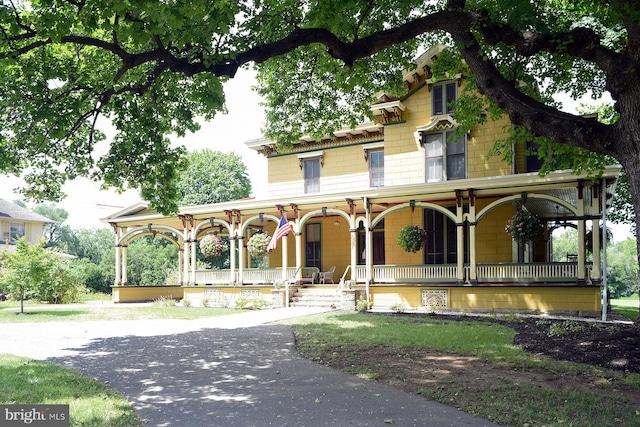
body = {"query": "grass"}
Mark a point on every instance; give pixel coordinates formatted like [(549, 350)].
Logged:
[(627, 306), (36, 312), (91, 404), (346, 340)]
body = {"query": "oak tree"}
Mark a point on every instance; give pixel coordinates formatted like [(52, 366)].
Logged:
[(153, 67)]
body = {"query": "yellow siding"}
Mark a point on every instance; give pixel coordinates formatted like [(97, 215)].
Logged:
[(480, 143), (387, 296), (392, 225), (493, 244), (343, 161), (523, 298), (283, 168), (145, 293), (538, 299)]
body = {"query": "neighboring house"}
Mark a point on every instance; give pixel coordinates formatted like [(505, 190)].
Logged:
[(348, 196), (17, 222)]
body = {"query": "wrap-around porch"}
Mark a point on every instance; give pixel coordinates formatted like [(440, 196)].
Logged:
[(477, 253)]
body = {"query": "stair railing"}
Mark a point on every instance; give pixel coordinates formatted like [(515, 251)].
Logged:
[(342, 282)]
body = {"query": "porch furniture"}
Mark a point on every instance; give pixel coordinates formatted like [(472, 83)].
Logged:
[(327, 275), (310, 275)]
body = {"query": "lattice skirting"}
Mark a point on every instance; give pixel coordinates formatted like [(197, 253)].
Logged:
[(251, 294), (215, 297), (434, 299)]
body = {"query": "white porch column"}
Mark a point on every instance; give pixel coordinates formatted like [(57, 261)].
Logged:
[(232, 255), (185, 256), (354, 249), (596, 275), (473, 274), (194, 242), (124, 265), (240, 239), (285, 255), (117, 278), (298, 236), (460, 243), (180, 261), (368, 253), (116, 230), (581, 232)]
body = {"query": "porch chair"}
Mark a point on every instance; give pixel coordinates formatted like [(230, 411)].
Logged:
[(325, 276)]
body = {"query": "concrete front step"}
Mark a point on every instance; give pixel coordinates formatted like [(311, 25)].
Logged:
[(308, 298)]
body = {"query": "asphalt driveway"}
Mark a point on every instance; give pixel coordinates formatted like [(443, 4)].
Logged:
[(225, 371)]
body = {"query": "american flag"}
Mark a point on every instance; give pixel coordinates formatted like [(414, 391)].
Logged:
[(282, 230)]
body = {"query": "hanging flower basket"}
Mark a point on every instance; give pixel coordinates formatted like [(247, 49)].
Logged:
[(258, 243), (524, 226), (412, 238), (211, 245)]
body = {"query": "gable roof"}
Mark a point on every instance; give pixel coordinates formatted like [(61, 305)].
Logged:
[(13, 211)]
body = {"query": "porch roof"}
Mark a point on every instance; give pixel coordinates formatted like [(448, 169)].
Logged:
[(559, 184)]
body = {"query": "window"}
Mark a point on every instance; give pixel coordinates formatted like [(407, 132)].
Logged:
[(376, 168), (313, 234), (445, 157), (442, 96), (311, 173), (12, 231), (534, 164), (441, 246), (377, 242)]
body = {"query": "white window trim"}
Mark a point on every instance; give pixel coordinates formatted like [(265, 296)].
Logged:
[(306, 156), (373, 146), (445, 175), (443, 84)]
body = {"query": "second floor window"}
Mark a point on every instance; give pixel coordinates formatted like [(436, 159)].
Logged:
[(445, 157), (376, 168), (442, 97), (311, 173)]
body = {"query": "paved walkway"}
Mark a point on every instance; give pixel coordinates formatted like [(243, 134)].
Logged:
[(233, 370)]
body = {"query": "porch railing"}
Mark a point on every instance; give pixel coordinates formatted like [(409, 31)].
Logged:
[(444, 273), (497, 272), (249, 275), (529, 272), (408, 273), (215, 277)]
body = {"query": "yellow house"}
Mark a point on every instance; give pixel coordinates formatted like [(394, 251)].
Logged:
[(348, 196), (17, 222)]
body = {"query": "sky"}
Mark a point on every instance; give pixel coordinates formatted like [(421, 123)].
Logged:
[(86, 203)]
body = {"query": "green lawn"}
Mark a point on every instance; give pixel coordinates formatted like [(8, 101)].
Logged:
[(36, 312), (627, 306), (346, 341), (91, 404)]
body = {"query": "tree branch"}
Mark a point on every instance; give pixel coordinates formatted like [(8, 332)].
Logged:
[(523, 110)]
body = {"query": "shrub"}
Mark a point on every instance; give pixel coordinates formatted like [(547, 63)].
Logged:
[(251, 303), (362, 304)]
